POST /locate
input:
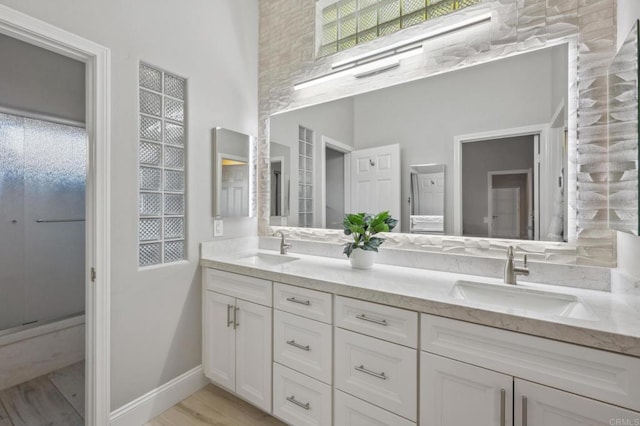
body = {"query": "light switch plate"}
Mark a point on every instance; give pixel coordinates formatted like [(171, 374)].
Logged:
[(218, 230)]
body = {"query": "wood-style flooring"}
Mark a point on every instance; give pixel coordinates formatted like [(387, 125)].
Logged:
[(56, 399), (213, 406)]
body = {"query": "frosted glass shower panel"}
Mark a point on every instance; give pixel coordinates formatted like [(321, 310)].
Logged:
[(11, 221), (42, 208), (55, 175)]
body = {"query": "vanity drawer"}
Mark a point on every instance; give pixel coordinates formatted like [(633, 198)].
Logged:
[(351, 411), (380, 372), (601, 375), (385, 322), (302, 301), (300, 400), (241, 286), (302, 344)]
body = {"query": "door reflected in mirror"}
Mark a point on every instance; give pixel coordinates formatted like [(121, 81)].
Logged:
[(231, 173), (427, 199)]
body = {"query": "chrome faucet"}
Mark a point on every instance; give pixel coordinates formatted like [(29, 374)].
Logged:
[(283, 246), (511, 271)]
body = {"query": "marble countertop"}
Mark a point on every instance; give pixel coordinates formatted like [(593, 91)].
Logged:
[(611, 321)]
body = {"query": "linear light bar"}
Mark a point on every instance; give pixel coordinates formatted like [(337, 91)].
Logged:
[(364, 70)]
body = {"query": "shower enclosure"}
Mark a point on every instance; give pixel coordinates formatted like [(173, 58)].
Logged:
[(42, 229)]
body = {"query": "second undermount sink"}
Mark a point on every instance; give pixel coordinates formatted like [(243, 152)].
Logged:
[(266, 259), (522, 299)]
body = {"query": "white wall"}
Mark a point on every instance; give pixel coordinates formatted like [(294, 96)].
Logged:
[(39, 81), (156, 324), (424, 116)]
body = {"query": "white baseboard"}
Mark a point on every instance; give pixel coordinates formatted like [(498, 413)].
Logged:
[(141, 410)]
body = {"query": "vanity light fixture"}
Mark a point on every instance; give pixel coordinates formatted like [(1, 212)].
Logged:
[(386, 58)]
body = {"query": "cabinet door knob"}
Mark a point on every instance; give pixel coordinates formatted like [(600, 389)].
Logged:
[(235, 318), (524, 411), (298, 345)]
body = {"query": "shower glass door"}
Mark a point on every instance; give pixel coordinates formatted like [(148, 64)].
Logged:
[(42, 229)]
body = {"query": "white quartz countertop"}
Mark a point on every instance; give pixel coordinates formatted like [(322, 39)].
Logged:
[(612, 322)]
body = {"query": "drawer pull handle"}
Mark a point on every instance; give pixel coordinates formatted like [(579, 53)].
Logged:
[(293, 400), (298, 345), (363, 317), (229, 321), (371, 373), (235, 318), (524, 411), (301, 302), (503, 395)]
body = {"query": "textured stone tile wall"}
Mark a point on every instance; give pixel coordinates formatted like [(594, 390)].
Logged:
[(287, 56)]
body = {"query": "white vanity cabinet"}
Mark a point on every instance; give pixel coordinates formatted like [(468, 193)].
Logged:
[(455, 393), (303, 349), (494, 370), (237, 335), (369, 364)]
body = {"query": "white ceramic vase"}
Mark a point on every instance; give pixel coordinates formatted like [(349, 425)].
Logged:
[(362, 259)]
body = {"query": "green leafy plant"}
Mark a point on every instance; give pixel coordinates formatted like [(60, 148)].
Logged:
[(362, 227)]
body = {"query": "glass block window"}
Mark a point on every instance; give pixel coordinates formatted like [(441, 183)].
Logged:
[(305, 177), (162, 160), (345, 23)]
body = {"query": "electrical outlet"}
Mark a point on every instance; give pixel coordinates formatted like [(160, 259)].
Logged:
[(217, 228)]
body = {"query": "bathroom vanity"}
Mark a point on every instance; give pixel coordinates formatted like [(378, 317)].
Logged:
[(314, 342)]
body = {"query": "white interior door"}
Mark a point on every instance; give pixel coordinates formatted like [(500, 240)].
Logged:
[(234, 191), (505, 220), (375, 181)]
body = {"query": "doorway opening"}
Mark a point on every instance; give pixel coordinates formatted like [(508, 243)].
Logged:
[(500, 187), (96, 273)]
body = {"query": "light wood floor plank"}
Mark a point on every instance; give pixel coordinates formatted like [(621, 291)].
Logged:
[(4, 417), (214, 406), (38, 402), (70, 383)]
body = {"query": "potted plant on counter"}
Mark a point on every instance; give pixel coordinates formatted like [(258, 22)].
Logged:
[(362, 227)]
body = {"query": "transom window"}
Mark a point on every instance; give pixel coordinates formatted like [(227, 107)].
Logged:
[(346, 23)]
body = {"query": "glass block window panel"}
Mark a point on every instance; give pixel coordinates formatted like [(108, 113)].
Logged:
[(174, 86), (346, 23), (150, 229), (305, 177), (150, 78), (173, 134), (150, 103), (150, 153), (174, 227), (162, 174), (150, 254)]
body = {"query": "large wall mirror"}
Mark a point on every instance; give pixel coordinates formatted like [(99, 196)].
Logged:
[(623, 134), (232, 169), (496, 133)]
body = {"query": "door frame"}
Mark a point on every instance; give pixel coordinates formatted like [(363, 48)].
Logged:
[(327, 142), (97, 61), (490, 176), (537, 129)]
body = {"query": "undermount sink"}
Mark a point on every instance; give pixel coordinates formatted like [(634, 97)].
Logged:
[(265, 259), (522, 299)]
